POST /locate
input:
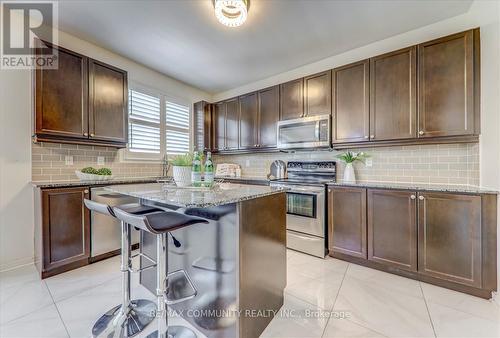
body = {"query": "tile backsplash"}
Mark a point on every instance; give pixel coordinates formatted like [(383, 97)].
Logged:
[(48, 161), (443, 163)]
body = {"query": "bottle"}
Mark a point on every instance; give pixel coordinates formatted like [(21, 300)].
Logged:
[(209, 170), (196, 170)]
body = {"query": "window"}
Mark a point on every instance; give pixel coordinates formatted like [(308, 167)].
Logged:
[(158, 125), (177, 128)]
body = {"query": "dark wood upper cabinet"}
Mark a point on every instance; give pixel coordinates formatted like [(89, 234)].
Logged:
[(61, 97), (447, 77), (219, 124), (393, 95), (449, 237), (350, 115), (108, 102), (232, 124), (347, 221), (292, 99), (65, 229), (269, 114), (82, 101), (392, 228), (248, 121), (318, 94), (203, 126)]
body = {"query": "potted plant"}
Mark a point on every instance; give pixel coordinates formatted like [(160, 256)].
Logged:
[(349, 158), (181, 167)]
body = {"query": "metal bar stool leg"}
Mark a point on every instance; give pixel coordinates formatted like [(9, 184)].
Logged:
[(131, 317), (164, 330)]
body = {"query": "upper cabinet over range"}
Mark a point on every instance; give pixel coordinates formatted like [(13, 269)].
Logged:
[(82, 101), (427, 93)]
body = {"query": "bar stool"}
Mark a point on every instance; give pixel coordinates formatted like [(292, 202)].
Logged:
[(161, 224), (131, 316)]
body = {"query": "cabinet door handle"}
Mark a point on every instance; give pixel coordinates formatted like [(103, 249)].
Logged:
[(413, 197), (421, 198), (372, 136), (366, 136), (85, 134), (91, 135), (421, 132), (86, 191)]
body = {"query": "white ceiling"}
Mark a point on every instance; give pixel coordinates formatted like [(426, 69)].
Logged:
[(182, 38)]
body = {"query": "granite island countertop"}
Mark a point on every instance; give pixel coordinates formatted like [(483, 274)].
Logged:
[(168, 194), (455, 188), (78, 183)]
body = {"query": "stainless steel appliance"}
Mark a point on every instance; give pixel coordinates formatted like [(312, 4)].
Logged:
[(306, 205), (277, 170), (105, 231), (305, 132)]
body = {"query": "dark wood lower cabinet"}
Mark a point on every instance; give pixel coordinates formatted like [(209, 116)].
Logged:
[(449, 237), (347, 221), (443, 238), (62, 230), (392, 228)]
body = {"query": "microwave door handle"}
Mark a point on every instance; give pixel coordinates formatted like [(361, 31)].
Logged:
[(316, 131)]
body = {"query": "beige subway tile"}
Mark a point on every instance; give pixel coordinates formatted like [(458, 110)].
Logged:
[(50, 158), (51, 171)]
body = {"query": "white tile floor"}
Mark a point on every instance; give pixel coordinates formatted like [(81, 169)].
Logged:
[(323, 298)]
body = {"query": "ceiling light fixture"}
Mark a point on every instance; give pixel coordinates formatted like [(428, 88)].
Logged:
[(231, 13)]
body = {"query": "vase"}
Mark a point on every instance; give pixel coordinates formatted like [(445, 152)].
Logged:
[(349, 175), (182, 176)]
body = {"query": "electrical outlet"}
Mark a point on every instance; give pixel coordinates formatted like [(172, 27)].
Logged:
[(369, 162), (68, 160), (100, 160), (247, 163)]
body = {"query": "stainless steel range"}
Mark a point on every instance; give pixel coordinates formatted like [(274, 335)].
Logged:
[(306, 204)]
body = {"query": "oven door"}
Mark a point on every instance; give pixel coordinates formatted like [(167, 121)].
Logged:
[(306, 210)]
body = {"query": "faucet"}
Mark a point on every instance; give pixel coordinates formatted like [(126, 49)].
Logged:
[(165, 166)]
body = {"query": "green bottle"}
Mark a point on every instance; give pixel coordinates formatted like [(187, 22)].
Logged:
[(209, 170), (196, 170)]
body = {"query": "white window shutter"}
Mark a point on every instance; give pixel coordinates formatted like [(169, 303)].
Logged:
[(178, 123), (144, 123)]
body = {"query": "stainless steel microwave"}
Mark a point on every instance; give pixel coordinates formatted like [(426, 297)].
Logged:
[(305, 132)]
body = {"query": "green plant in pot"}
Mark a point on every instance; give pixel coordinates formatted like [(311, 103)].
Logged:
[(349, 158), (181, 168)]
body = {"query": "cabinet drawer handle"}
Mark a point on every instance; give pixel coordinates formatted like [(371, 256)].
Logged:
[(421, 132), (413, 197), (421, 198)]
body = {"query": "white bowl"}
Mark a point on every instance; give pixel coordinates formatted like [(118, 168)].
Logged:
[(92, 177)]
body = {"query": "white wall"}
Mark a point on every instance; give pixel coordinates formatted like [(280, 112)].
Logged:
[(16, 194)]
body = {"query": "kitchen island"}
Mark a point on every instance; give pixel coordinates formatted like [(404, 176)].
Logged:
[(237, 261)]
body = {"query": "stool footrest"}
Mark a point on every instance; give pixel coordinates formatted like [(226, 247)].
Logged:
[(139, 254), (180, 287)]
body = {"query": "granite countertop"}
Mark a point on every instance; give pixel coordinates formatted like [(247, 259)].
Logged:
[(245, 179), (78, 183), (470, 189), (167, 194)]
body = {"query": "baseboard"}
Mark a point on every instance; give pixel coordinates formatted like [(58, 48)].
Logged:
[(17, 263), (495, 297)]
